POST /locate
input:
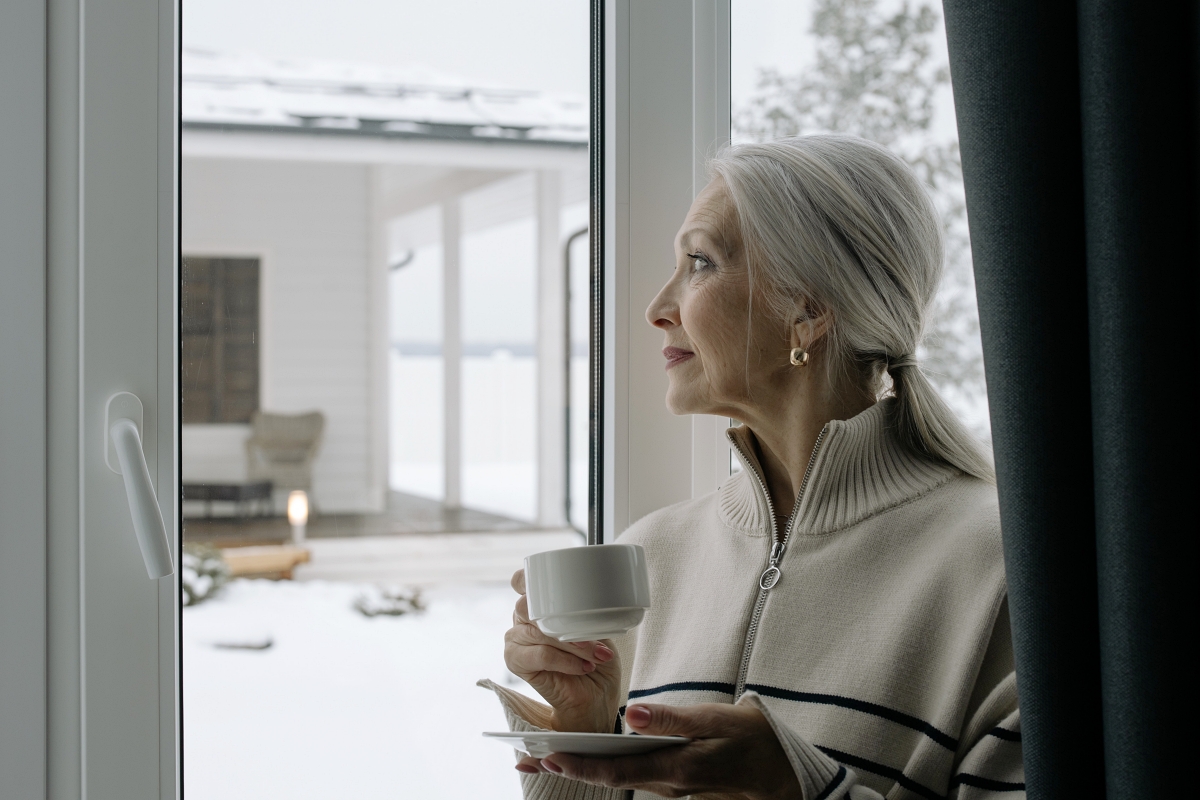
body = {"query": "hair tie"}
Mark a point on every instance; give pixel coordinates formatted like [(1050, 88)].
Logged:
[(892, 363)]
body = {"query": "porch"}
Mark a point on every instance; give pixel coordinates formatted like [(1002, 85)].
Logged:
[(372, 213)]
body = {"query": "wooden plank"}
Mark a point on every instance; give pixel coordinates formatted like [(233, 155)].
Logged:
[(268, 560)]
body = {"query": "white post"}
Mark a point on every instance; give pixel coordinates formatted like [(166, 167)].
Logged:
[(710, 130), (551, 354), (378, 342), (452, 352)]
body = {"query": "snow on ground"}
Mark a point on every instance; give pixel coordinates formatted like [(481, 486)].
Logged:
[(341, 705)]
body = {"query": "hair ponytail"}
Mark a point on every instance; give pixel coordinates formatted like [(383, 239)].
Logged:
[(842, 222), (926, 424)]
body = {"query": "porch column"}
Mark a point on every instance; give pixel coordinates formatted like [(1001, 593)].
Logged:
[(551, 354), (452, 352), (378, 338)]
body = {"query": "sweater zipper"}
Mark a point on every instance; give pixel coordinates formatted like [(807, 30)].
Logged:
[(772, 574)]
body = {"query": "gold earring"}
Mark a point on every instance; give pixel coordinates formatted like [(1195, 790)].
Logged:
[(799, 357)]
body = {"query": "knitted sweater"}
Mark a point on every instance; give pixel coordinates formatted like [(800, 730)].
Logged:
[(882, 655)]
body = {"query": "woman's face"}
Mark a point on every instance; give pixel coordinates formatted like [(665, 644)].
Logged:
[(715, 344)]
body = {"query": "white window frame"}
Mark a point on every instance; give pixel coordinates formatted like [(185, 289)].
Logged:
[(89, 660), (666, 110), (23, 440)]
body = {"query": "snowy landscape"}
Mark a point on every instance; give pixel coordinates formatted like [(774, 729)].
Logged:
[(291, 692)]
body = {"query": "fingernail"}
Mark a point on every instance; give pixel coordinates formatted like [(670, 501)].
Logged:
[(638, 716), (550, 765), (588, 667), (528, 770), (602, 653)]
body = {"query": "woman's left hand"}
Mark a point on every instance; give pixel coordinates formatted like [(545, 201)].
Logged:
[(734, 754)]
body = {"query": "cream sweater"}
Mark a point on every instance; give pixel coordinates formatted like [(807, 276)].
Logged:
[(882, 656)]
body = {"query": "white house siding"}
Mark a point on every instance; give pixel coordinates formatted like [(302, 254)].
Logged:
[(309, 224)]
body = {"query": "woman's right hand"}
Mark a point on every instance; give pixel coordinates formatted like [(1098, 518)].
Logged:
[(580, 680)]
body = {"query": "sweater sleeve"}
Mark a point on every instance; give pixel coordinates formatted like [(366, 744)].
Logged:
[(990, 763), (524, 714), (820, 777)]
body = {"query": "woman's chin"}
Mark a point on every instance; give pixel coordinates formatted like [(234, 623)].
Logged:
[(683, 403)]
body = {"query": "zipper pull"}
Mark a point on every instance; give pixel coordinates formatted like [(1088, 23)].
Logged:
[(771, 575)]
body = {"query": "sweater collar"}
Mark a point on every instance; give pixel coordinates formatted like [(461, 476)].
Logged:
[(861, 468)]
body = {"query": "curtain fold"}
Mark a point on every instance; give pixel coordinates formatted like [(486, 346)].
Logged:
[(1140, 102), (1079, 135)]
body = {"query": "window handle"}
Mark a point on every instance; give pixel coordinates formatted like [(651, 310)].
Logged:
[(123, 454)]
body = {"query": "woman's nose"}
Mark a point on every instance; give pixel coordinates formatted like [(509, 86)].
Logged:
[(663, 311)]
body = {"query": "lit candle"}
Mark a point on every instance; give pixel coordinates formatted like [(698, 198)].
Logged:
[(297, 512)]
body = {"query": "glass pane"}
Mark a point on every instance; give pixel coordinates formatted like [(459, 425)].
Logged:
[(415, 464), (877, 70), (499, 260), (381, 390)]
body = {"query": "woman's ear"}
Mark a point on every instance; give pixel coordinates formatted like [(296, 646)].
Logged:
[(809, 326), (798, 334)]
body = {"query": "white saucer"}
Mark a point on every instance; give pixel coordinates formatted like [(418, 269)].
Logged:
[(540, 744)]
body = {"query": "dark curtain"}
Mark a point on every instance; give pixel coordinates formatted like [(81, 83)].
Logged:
[(1078, 128)]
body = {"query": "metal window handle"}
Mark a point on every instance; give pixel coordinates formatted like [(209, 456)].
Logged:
[(123, 445)]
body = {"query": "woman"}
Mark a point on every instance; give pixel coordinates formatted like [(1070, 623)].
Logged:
[(832, 621)]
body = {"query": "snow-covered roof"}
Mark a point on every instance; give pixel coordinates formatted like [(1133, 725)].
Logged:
[(250, 92)]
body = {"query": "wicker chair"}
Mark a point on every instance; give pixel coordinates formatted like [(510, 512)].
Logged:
[(282, 447)]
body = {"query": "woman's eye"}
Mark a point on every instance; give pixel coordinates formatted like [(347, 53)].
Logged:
[(699, 262)]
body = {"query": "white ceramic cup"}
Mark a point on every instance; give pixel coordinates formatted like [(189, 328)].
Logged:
[(584, 593)]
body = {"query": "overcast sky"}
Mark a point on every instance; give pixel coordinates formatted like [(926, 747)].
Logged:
[(528, 44), (520, 44), (766, 33)]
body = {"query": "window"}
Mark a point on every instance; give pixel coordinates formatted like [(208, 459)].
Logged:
[(219, 327), (411, 176), (119, 731)]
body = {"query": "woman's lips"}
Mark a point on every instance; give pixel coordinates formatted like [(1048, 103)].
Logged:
[(676, 355)]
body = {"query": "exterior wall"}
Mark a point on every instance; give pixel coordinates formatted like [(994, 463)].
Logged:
[(310, 225)]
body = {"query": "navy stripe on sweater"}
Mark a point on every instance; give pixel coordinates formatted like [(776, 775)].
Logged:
[(890, 714), (833, 784), (1005, 734), (979, 782), (882, 770), (685, 686)]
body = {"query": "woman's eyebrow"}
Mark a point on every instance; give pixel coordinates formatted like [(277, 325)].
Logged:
[(690, 235)]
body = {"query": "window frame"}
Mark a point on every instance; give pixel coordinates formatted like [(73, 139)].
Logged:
[(664, 109), (23, 373), (108, 717)]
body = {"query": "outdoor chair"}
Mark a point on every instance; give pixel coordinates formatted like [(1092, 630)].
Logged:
[(282, 447)]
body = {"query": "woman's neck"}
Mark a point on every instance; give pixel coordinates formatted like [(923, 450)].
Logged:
[(785, 442)]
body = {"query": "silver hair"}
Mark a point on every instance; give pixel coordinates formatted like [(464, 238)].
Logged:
[(840, 224)]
